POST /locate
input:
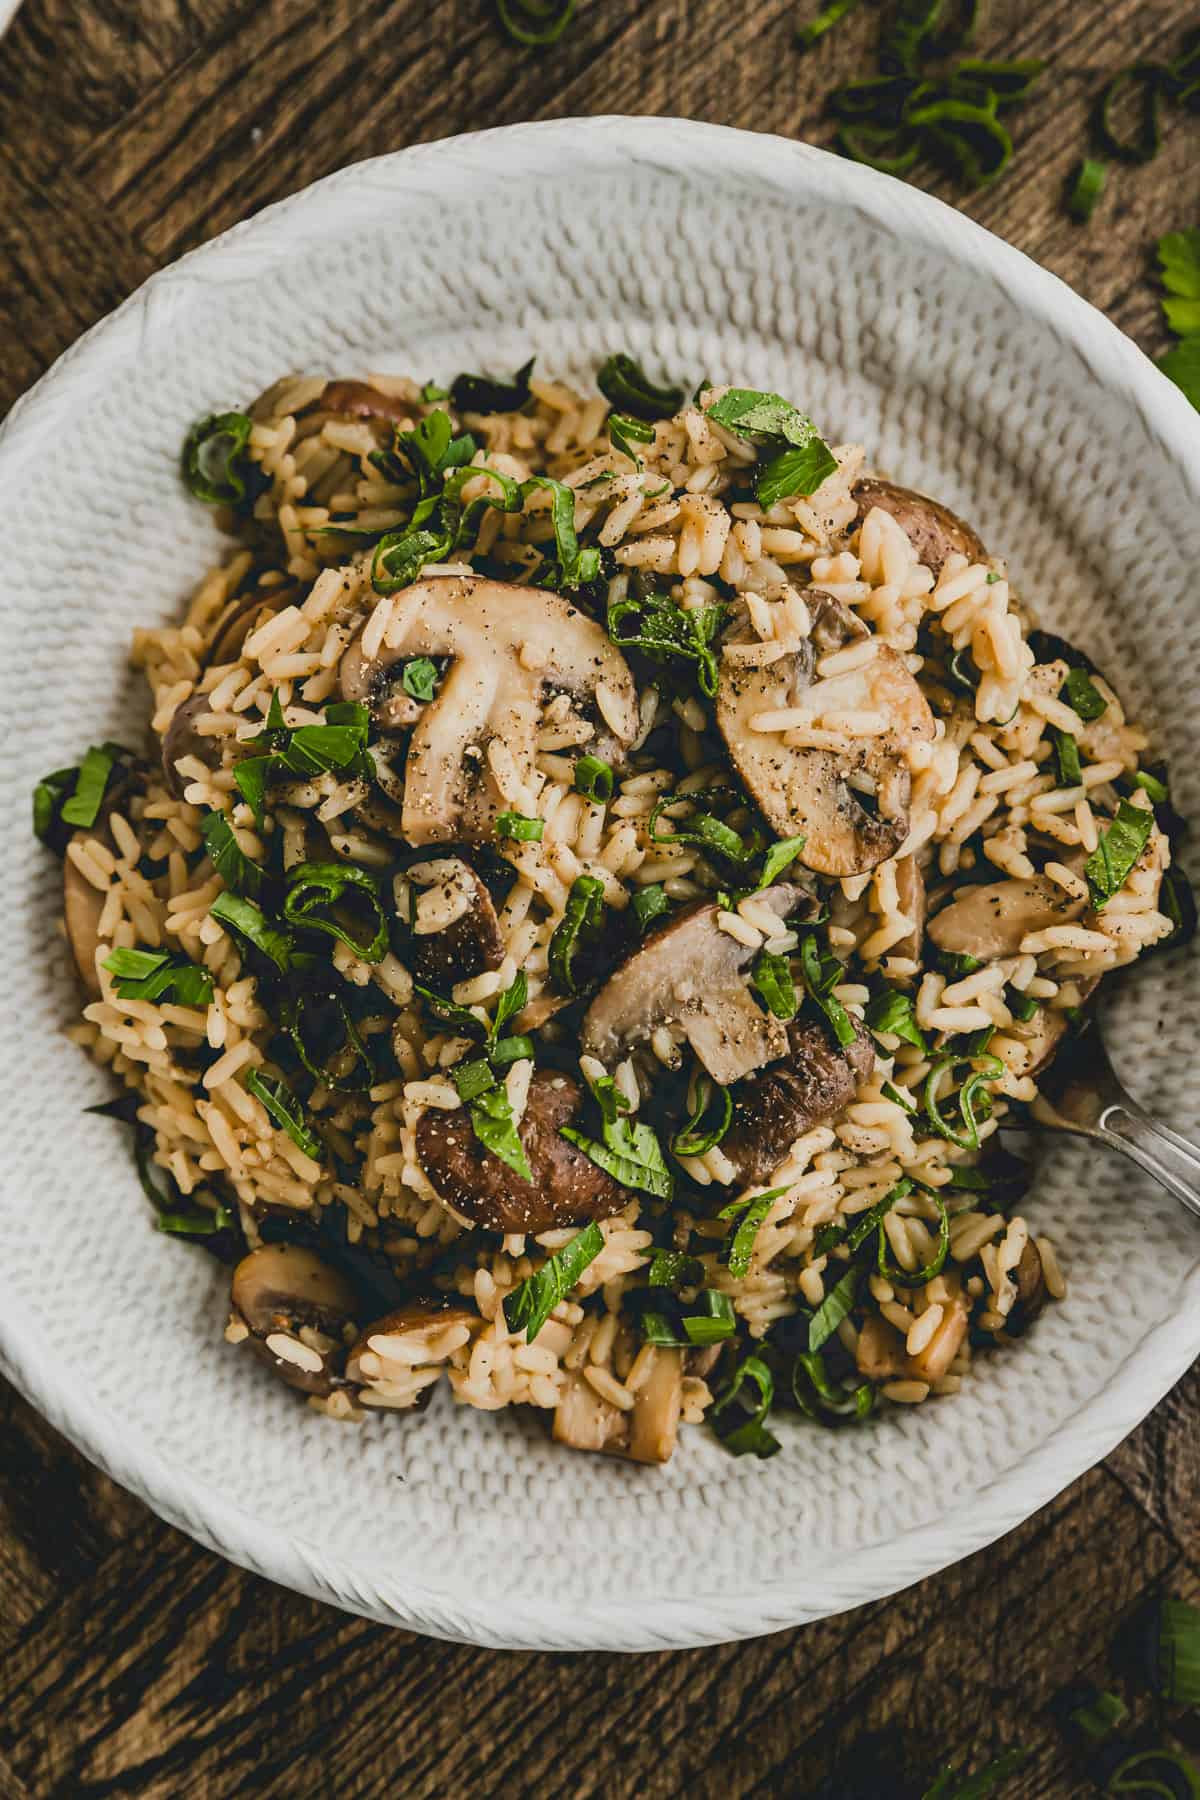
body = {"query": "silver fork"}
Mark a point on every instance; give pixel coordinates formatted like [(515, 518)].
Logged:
[(1080, 1093)]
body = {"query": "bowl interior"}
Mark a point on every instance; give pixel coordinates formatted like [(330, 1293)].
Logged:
[(719, 256)]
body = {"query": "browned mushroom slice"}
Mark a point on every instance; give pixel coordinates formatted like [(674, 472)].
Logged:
[(1030, 1282), (471, 942), (510, 647), (880, 1351), (690, 977), (182, 739), (910, 892), (989, 919), (359, 400), (240, 617), (934, 532), (293, 1311), (567, 1187), (850, 803), (646, 1433), (813, 1084), (397, 1358)]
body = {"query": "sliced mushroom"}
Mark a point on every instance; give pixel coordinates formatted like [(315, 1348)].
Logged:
[(989, 919), (397, 1357), (359, 400), (814, 1083), (296, 1312), (691, 977), (646, 1433), (1043, 1034), (910, 892), (851, 803), (567, 1187), (182, 739), (471, 942), (934, 532), (240, 617), (1030, 1281), (881, 1355), (511, 648)]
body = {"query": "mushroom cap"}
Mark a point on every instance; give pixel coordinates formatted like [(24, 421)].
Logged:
[(647, 1433), (359, 400), (988, 919), (414, 1321), (814, 1083), (182, 739), (851, 803), (934, 532), (567, 1187), (277, 1291), (691, 975), (470, 943), (510, 646)]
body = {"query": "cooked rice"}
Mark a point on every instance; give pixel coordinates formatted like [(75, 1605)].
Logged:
[(983, 797)]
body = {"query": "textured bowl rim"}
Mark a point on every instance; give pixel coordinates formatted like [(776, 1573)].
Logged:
[(565, 148)]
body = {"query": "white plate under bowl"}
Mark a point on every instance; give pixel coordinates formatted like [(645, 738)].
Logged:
[(968, 371)]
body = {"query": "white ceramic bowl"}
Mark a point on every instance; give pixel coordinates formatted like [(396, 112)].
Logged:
[(968, 371)]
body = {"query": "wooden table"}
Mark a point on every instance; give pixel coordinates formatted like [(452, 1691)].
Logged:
[(134, 1663)]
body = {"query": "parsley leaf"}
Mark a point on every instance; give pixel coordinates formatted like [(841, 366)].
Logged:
[(529, 1306)]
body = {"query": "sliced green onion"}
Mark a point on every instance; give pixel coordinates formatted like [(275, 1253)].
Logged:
[(535, 23), (1022, 1007), (473, 1078), (820, 977), (1086, 189), (771, 976), (836, 1306), (529, 1306), (194, 1224), (156, 974), (249, 922), (743, 1430), (779, 857), (301, 1019), (1155, 1773), (285, 1109), (910, 1278), (665, 631), (493, 1123), (1150, 784), (1177, 1648), (484, 394), (1098, 1717), (1082, 695), (627, 387), (419, 679), (214, 458), (968, 1137), (582, 919), (1119, 847), (316, 889), (511, 1050), (519, 828), (696, 1138), (891, 149), (649, 903), (890, 1014), (673, 1269), (968, 138), (1066, 754), (753, 1211), (624, 432), (237, 871), (84, 804), (594, 779)]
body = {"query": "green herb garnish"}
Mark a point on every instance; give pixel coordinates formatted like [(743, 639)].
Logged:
[(836, 1306), (821, 975), (750, 1214), (1086, 189), (334, 897), (624, 432), (664, 631), (237, 871), (742, 1427), (83, 805), (248, 920), (285, 1109), (484, 394), (696, 1138), (627, 387), (771, 977), (594, 779), (582, 920), (529, 1306), (519, 828), (649, 903), (800, 460), (629, 1152), (890, 1013), (1119, 847), (158, 975), (215, 463)]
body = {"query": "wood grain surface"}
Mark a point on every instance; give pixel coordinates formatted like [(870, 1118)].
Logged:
[(134, 1663)]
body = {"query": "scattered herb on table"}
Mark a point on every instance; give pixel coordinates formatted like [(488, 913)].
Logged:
[(1179, 261)]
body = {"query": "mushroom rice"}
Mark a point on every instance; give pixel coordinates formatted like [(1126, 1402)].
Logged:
[(611, 867)]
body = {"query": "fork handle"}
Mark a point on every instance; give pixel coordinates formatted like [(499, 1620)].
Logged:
[(1154, 1147)]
